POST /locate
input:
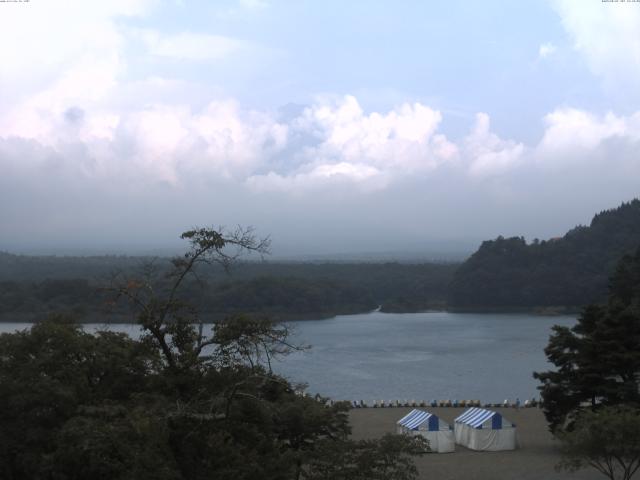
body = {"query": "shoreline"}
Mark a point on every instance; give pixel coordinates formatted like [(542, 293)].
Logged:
[(117, 318)]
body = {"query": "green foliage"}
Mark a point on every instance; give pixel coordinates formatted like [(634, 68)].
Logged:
[(288, 295), (180, 403), (48, 374), (390, 458), (113, 442), (38, 285), (76, 406), (607, 440), (571, 271), (597, 360)]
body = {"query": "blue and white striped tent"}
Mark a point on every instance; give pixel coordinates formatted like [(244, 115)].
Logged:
[(426, 424), (476, 417), (480, 429)]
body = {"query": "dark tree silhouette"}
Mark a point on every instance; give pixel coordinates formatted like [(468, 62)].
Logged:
[(598, 360)]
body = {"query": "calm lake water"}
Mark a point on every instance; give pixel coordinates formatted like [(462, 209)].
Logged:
[(422, 356)]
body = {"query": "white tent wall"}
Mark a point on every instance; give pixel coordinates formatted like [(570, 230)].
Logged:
[(488, 440), (441, 441), (484, 430), (438, 433)]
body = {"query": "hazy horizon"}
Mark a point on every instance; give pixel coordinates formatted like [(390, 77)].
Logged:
[(431, 251)]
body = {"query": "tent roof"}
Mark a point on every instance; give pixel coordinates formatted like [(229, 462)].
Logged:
[(415, 418), (474, 417)]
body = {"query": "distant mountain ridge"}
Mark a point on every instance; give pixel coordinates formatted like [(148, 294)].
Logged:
[(566, 272)]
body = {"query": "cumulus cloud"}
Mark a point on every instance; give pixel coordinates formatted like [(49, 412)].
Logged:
[(333, 142), (569, 129), (489, 154), (221, 141), (601, 147), (606, 34), (332, 162), (87, 112), (169, 143), (369, 149), (76, 100), (81, 136), (403, 138)]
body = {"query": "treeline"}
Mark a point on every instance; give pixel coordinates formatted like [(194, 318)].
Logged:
[(567, 272), (39, 285), (180, 402), (561, 274), (283, 297), (25, 268)]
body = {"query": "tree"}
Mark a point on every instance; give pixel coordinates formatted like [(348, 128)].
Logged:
[(180, 403), (55, 374), (598, 359), (165, 317), (570, 271), (607, 440), (389, 458)]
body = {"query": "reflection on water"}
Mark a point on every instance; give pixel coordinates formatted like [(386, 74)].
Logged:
[(421, 356)]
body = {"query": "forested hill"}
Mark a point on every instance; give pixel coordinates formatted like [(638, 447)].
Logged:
[(34, 286), (571, 271)]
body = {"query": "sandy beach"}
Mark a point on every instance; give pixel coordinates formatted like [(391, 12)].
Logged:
[(534, 460)]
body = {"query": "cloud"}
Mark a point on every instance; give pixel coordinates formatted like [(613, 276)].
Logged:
[(364, 178), (42, 40), (606, 35), (572, 131), (585, 147), (92, 127), (403, 138), (222, 141), (489, 154), (330, 167), (546, 50), (167, 143), (172, 141), (190, 46), (74, 98), (83, 86), (330, 144), (347, 145)]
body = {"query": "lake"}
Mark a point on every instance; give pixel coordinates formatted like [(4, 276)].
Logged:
[(421, 356)]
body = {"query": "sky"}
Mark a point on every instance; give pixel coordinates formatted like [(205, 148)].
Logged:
[(334, 127)]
